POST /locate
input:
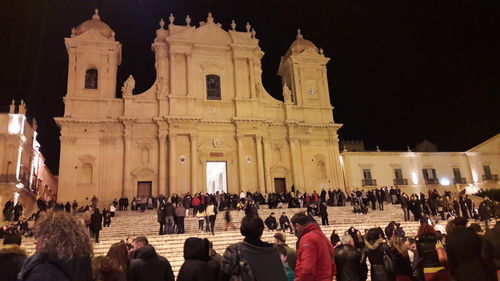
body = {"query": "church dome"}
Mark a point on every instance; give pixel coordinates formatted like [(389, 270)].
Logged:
[(300, 44), (94, 24)]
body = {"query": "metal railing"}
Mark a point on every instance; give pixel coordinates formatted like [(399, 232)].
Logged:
[(431, 181), (369, 182), (400, 181), (490, 177), (459, 181)]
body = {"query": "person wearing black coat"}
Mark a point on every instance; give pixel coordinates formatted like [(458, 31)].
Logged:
[(12, 257), (348, 261), (374, 251), (198, 265), (463, 247), (161, 219), (147, 265), (323, 212), (63, 250), (96, 224), (271, 222), (490, 249)]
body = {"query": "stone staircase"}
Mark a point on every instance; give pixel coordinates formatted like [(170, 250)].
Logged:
[(132, 224)]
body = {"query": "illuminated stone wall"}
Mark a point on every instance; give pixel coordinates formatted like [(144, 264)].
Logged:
[(166, 134)]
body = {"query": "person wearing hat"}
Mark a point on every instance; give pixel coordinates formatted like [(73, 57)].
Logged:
[(291, 254)]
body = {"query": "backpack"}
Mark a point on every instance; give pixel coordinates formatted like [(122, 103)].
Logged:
[(242, 270), (388, 262)]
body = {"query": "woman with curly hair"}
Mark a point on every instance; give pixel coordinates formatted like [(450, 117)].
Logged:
[(63, 250)]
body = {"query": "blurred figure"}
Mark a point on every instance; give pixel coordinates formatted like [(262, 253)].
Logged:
[(12, 256), (348, 261), (198, 265)]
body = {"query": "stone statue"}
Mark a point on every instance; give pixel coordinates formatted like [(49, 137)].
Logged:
[(12, 107), (128, 86), (161, 86), (22, 107), (287, 94)]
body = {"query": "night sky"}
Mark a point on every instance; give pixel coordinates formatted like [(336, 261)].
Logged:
[(401, 71)]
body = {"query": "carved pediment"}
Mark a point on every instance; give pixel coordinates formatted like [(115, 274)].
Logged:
[(143, 172), (92, 35), (211, 34)]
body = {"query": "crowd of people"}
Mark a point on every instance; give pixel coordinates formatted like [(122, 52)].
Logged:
[(437, 252), (64, 252)]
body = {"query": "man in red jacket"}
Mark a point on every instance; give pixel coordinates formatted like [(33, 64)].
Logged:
[(315, 253)]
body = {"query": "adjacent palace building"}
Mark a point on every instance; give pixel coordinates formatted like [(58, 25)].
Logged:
[(207, 124)]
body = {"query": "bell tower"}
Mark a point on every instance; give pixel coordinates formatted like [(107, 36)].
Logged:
[(94, 56), (303, 71)]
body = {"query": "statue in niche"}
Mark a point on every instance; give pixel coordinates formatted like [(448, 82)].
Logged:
[(287, 94), (128, 86), (216, 143), (161, 86)]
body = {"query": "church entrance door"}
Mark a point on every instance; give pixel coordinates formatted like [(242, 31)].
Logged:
[(279, 185), (216, 177), (144, 188)]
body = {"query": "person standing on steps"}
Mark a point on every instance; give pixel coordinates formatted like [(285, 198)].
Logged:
[(323, 211), (315, 253), (211, 215), (180, 214), (96, 224), (252, 259), (146, 264)]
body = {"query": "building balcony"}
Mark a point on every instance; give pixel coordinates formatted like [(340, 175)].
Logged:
[(369, 182), (400, 181), (459, 181), (490, 177), (431, 181)]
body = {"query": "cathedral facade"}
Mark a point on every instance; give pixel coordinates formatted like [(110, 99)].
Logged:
[(207, 123)]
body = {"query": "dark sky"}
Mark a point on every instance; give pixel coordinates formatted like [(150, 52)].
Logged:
[(401, 71)]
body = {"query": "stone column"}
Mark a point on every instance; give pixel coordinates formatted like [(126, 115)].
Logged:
[(171, 71), (162, 163), (241, 162), (267, 169), (260, 165), (194, 164), (171, 165), (293, 158), (188, 75), (126, 188), (251, 70)]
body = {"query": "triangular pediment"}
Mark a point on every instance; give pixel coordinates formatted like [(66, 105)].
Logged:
[(211, 34), (91, 35)]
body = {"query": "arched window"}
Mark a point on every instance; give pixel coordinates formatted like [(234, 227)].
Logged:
[(91, 79), (86, 173), (213, 87)]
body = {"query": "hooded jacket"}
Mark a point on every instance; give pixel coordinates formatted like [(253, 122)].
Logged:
[(12, 258), (147, 265), (374, 251), (315, 256), (198, 265), (41, 267), (348, 263)]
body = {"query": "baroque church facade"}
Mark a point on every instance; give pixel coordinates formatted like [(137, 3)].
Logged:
[(207, 110)]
